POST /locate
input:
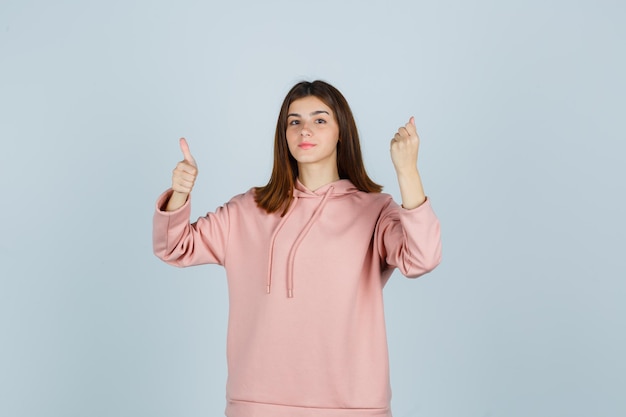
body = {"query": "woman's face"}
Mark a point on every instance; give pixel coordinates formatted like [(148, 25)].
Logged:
[(312, 132)]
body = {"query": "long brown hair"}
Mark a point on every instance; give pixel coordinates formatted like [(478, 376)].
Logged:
[(277, 194)]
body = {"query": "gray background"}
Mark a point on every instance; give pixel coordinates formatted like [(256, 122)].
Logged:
[(521, 110)]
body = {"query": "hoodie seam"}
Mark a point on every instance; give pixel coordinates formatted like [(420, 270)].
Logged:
[(227, 240), (307, 407)]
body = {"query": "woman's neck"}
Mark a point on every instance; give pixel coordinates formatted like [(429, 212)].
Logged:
[(313, 177)]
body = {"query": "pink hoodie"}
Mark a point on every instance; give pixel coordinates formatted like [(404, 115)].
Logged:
[(306, 330)]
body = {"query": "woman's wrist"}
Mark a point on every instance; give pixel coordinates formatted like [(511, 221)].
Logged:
[(176, 201)]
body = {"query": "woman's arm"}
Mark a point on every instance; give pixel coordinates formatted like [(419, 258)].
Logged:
[(174, 239), (404, 149), (409, 237)]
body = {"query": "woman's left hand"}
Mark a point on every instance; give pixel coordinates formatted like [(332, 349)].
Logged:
[(404, 147)]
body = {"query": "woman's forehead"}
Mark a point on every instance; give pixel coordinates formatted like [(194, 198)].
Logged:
[(307, 105)]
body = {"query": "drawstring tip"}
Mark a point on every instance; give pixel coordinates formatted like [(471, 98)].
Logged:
[(268, 289), (290, 293)]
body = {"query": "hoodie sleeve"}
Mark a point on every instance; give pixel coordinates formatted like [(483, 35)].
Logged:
[(409, 239), (180, 243)]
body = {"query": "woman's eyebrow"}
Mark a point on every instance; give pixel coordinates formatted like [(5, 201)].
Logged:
[(315, 113)]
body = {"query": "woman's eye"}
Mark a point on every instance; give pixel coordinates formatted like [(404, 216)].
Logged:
[(320, 121), (294, 122)]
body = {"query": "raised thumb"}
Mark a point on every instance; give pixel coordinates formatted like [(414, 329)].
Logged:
[(184, 147)]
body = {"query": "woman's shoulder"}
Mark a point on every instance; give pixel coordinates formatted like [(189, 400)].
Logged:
[(375, 198), (374, 203), (243, 199)]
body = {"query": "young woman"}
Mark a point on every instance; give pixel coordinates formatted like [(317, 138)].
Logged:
[(306, 257)]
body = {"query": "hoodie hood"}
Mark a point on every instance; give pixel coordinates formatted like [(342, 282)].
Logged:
[(323, 194)]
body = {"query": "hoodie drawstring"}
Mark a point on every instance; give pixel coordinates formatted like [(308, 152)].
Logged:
[(300, 238), (273, 239), (292, 252)]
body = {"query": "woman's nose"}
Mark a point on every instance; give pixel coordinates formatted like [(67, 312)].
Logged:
[(305, 131)]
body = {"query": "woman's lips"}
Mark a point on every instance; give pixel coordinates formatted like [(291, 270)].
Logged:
[(306, 145)]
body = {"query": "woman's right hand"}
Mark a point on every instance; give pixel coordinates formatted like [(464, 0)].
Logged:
[(183, 178)]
